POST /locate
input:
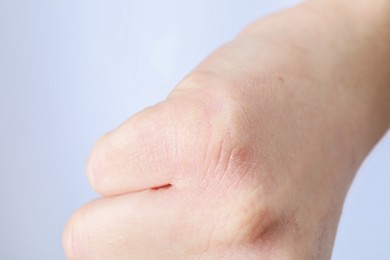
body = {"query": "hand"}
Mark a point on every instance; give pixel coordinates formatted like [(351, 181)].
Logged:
[(250, 157)]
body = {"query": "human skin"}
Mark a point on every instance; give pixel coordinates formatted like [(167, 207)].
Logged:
[(252, 154)]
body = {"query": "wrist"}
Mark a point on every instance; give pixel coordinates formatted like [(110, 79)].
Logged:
[(364, 28), (364, 16), (348, 52)]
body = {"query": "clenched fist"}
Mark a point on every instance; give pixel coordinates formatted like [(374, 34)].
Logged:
[(250, 157)]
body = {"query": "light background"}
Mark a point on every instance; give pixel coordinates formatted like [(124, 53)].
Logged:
[(72, 70)]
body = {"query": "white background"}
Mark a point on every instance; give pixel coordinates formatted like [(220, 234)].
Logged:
[(72, 70)]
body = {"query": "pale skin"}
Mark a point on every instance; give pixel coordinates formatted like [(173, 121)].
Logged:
[(252, 154)]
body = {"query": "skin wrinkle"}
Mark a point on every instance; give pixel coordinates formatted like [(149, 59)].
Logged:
[(240, 180), (212, 160), (208, 159), (217, 227), (236, 167), (220, 155), (319, 243), (227, 161), (79, 239), (209, 114)]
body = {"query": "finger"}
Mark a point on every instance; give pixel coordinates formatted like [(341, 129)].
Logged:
[(150, 150), (119, 159), (134, 226)]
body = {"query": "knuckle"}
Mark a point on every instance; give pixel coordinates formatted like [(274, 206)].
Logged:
[(221, 117), (249, 220), (213, 127), (223, 104)]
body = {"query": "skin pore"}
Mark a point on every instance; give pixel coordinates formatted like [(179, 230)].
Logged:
[(252, 154)]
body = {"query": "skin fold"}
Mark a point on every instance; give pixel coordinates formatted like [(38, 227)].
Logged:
[(252, 154)]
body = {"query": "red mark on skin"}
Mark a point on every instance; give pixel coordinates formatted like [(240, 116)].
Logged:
[(166, 186)]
